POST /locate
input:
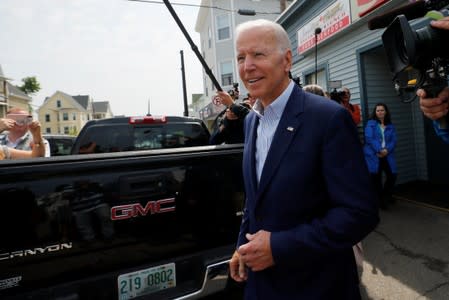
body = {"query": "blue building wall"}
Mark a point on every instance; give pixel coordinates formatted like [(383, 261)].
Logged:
[(357, 58)]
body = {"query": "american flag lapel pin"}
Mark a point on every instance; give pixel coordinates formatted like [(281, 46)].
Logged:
[(291, 129)]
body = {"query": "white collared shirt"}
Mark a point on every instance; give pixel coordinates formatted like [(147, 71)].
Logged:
[(269, 118), (23, 143)]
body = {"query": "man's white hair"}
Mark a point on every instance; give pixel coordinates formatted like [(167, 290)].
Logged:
[(279, 32)]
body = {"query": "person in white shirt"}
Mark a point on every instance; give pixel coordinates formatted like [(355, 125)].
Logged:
[(16, 131)]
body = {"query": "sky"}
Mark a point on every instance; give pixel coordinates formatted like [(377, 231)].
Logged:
[(124, 52)]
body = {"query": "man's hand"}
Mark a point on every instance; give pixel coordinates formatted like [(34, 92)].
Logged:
[(35, 129), (225, 98), (6, 124), (37, 144), (442, 24), (237, 268), (230, 115), (256, 254), (382, 153), (434, 108)]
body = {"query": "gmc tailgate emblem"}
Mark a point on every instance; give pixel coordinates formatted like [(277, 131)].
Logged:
[(133, 210)]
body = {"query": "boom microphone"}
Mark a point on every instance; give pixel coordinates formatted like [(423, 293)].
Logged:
[(410, 11)]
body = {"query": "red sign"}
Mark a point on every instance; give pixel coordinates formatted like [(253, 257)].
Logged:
[(325, 33), (366, 6), (332, 20)]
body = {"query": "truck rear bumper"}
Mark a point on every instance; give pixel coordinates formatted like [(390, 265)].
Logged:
[(215, 280)]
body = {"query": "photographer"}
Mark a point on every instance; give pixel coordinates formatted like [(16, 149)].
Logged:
[(353, 109), (335, 96), (230, 129), (437, 108), (240, 110), (37, 151), (343, 97), (21, 133)]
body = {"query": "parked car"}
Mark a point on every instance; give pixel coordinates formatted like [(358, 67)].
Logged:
[(60, 144)]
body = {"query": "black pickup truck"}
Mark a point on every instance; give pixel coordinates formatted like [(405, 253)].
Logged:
[(146, 224)]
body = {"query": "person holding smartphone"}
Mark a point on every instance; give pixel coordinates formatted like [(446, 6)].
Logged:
[(17, 134)]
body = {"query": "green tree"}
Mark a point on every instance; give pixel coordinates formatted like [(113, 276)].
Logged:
[(30, 85)]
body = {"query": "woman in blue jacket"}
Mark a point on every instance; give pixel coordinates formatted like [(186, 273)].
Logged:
[(380, 142)]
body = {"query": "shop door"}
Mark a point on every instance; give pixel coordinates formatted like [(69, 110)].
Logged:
[(378, 87)]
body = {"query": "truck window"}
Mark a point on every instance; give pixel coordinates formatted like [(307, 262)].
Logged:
[(124, 137), (169, 136)]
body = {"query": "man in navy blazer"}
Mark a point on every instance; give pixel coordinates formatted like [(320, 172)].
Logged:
[(308, 193)]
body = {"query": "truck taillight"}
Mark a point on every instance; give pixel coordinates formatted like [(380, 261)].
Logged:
[(148, 120)]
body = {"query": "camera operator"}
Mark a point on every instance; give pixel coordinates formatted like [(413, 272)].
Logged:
[(230, 128), (343, 98), (437, 108), (240, 110)]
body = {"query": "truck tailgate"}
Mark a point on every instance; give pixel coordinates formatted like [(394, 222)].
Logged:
[(118, 226)]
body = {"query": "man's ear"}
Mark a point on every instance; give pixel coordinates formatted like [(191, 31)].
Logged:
[(288, 60)]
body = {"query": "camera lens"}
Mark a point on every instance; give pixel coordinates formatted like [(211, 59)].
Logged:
[(24, 121), (432, 42), (21, 122)]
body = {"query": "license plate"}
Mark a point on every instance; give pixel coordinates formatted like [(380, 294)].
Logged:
[(147, 281)]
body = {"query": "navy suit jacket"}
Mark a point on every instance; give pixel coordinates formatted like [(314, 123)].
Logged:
[(315, 198)]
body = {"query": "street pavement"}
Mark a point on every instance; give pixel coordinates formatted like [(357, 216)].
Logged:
[(407, 255)]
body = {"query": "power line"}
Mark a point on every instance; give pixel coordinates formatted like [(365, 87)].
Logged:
[(205, 6)]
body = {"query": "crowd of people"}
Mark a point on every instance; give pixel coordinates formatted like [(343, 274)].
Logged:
[(380, 134), (380, 142)]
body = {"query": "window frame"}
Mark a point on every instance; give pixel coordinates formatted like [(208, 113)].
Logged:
[(228, 27), (231, 63)]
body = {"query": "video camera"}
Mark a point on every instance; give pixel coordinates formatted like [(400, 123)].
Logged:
[(417, 58), (336, 95), (235, 91)]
